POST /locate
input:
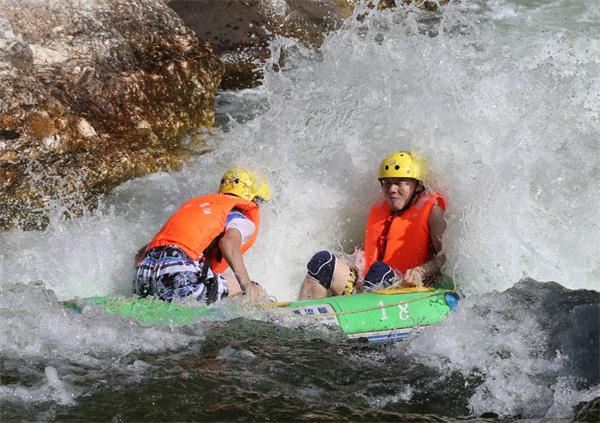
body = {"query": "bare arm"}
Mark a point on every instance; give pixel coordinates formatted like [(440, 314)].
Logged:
[(230, 245), (437, 227), (139, 256)]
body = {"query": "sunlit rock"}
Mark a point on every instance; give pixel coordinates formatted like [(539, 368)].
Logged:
[(85, 129), (93, 93)]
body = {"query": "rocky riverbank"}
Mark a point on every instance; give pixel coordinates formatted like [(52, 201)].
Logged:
[(93, 93)]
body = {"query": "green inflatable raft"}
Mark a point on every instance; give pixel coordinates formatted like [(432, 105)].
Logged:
[(380, 316)]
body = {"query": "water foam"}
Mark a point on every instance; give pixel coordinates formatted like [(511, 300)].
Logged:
[(37, 330), (505, 112), (500, 96)]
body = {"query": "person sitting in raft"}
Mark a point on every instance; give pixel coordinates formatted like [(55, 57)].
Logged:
[(403, 240), (201, 240)]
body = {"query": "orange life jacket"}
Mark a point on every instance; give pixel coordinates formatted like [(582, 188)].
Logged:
[(407, 242), (197, 224)]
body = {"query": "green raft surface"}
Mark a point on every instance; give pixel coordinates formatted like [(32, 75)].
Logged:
[(380, 316)]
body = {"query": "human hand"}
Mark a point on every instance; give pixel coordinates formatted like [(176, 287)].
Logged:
[(253, 291), (358, 285), (414, 277)]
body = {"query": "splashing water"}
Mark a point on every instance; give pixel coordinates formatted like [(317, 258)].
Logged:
[(502, 97), (506, 114)]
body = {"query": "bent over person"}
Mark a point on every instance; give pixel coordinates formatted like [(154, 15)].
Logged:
[(204, 237), (403, 238)]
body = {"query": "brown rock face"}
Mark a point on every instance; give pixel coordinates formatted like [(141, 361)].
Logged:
[(92, 94), (241, 29)]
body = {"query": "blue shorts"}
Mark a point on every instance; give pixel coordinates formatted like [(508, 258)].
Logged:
[(322, 265), (379, 276), (167, 273)]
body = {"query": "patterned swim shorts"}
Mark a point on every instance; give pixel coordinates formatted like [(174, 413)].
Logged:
[(167, 273)]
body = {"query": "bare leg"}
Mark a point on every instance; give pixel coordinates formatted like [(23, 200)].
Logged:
[(311, 289), (341, 275)]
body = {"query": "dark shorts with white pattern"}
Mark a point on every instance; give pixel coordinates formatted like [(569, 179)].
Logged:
[(168, 273)]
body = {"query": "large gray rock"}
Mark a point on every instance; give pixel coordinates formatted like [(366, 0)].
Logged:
[(92, 93)]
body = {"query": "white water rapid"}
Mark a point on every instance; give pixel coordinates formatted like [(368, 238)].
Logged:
[(503, 99)]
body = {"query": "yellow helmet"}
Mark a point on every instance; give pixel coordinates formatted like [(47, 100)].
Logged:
[(403, 164), (245, 185)]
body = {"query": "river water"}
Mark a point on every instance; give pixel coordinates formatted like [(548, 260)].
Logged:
[(502, 97)]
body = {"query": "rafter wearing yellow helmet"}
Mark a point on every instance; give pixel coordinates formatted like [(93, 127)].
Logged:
[(188, 256), (403, 237)]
